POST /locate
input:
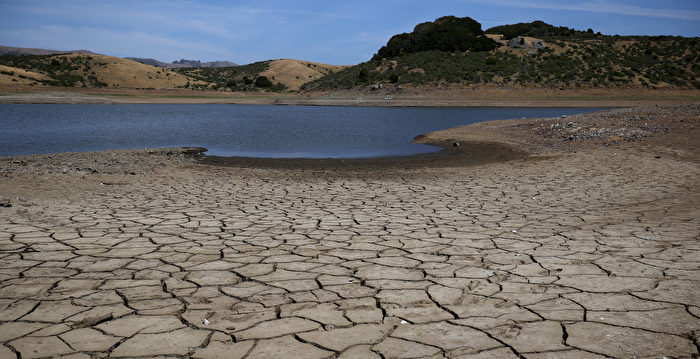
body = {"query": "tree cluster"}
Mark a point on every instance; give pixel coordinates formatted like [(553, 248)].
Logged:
[(538, 29), (448, 34)]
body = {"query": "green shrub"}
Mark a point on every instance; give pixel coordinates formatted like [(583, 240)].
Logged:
[(263, 81), (447, 34)]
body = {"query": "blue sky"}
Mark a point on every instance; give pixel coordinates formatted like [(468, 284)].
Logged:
[(328, 31)]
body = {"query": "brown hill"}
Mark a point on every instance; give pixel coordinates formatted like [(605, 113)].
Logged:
[(294, 73), (12, 75), (117, 72), (79, 70)]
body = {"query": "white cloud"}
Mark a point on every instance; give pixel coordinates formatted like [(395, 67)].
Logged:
[(133, 43), (599, 7)]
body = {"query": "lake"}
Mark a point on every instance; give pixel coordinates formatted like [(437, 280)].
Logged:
[(240, 130)]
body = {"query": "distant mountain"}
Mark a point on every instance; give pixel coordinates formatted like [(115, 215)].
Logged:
[(153, 62), (11, 50), (181, 63), (188, 63), (219, 64)]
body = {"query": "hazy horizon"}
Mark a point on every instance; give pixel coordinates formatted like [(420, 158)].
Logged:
[(336, 33)]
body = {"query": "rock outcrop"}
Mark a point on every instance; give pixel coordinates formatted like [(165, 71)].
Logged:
[(517, 42)]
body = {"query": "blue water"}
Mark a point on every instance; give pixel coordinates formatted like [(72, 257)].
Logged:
[(239, 130)]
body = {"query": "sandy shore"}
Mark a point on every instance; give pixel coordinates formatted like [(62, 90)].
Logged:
[(429, 96), (573, 237)]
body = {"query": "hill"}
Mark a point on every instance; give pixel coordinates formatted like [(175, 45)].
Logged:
[(79, 70), (447, 33), (11, 50), (559, 57), (39, 67), (283, 74), (181, 63)]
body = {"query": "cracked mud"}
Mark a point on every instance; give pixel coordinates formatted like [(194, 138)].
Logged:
[(589, 254)]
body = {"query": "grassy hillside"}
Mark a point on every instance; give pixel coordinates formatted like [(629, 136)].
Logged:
[(447, 52), (80, 70), (91, 70), (282, 74), (571, 58), (294, 73)]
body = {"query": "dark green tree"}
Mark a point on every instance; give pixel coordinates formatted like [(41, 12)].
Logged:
[(263, 81), (363, 76), (447, 34)]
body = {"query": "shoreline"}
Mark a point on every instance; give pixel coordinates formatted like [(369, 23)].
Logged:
[(475, 144), (408, 97)]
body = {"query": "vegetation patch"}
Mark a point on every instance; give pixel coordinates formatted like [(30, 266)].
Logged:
[(447, 34), (61, 70), (569, 58), (235, 78)]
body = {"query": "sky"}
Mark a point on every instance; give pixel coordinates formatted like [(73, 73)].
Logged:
[(337, 32)]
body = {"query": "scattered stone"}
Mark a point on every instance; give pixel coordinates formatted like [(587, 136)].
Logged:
[(538, 44), (517, 42)]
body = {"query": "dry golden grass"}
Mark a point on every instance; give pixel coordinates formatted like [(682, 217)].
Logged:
[(6, 79), (294, 73), (118, 72), (114, 71)]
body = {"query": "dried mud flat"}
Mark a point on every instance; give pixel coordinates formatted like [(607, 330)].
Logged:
[(589, 250)]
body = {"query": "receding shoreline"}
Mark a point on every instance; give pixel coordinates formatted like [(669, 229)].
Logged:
[(407, 97), (476, 144)]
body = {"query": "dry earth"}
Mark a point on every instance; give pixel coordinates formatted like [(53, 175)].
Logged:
[(589, 251), (431, 96)]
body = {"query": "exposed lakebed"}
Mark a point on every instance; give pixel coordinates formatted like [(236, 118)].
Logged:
[(240, 130)]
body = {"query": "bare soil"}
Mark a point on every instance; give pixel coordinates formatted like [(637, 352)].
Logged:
[(572, 237), (429, 96)]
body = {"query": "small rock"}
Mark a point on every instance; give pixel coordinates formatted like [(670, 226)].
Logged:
[(5, 203), (517, 42), (538, 44)]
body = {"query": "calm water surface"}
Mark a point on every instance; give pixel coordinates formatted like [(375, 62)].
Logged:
[(239, 130)]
